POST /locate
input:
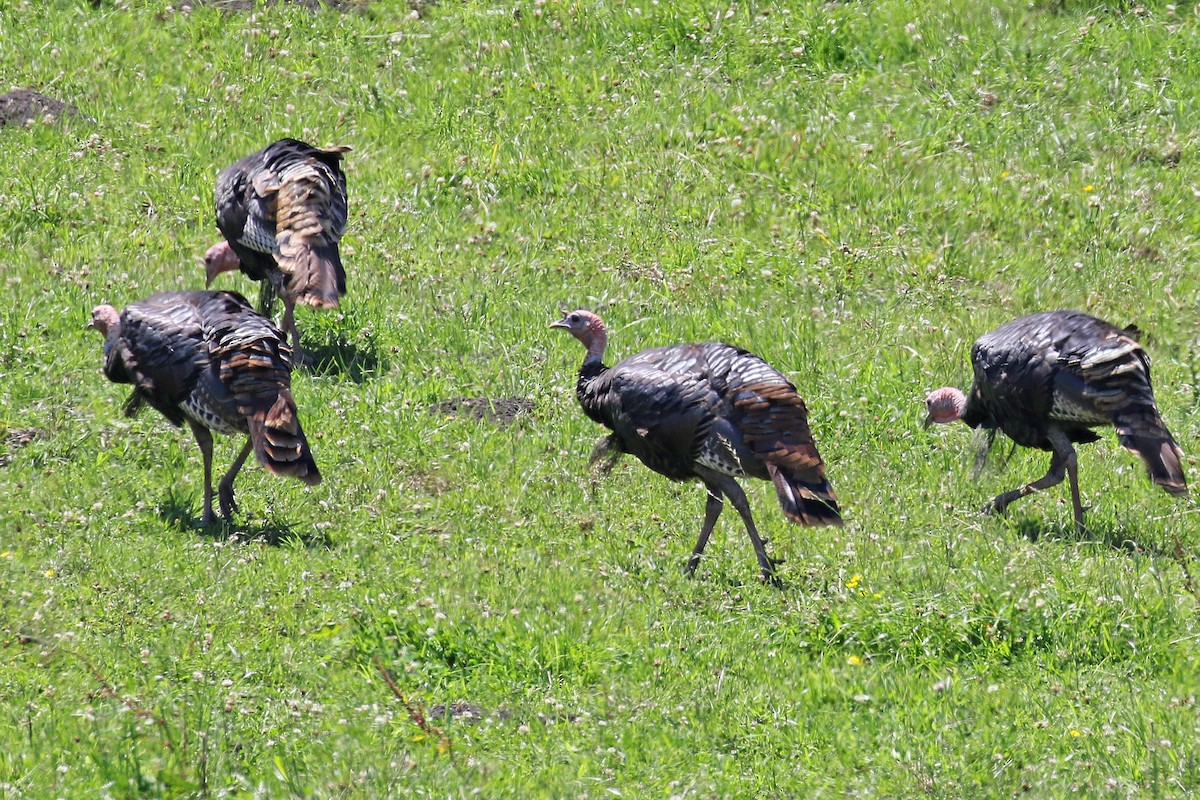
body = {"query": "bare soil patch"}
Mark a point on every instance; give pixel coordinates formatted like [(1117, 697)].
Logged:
[(16, 438), (499, 410), (23, 106)]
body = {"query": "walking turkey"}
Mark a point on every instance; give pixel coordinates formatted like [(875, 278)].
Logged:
[(1046, 380), (206, 358), (282, 211), (712, 412)]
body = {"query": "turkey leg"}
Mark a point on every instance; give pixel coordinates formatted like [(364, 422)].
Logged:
[(1073, 476), (1058, 471), (725, 484), (712, 510), (266, 298), (1063, 464), (204, 440), (289, 326), (226, 487)]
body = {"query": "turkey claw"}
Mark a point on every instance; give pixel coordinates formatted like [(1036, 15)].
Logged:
[(228, 506), (769, 575), (772, 579), (994, 507)]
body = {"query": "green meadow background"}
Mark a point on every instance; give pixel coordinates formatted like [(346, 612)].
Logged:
[(854, 191)]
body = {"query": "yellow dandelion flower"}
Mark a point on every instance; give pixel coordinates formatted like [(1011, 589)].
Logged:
[(1004, 174), (6, 554), (854, 661), (1076, 732), (854, 581), (50, 573), (1088, 188)]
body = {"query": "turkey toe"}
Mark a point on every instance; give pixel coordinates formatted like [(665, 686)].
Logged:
[(228, 506)]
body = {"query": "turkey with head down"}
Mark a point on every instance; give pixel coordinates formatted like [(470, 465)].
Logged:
[(208, 359), (282, 212), (1047, 379), (710, 412)]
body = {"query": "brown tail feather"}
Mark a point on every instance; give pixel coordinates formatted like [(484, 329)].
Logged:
[(1143, 432), (805, 503), (775, 424), (317, 277), (279, 441), (307, 239)]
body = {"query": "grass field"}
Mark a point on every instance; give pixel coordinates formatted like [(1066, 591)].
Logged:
[(853, 191)]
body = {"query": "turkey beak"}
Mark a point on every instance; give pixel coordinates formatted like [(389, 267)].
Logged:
[(559, 323), (928, 421), (219, 258)]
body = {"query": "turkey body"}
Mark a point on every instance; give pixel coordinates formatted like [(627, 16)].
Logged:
[(208, 359), (282, 211), (1047, 379), (710, 412)]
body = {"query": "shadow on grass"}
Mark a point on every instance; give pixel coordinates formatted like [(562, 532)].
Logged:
[(338, 357), (1118, 538), (180, 514)]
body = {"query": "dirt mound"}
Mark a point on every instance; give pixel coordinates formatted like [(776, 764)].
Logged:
[(16, 438), (500, 410), (23, 106)]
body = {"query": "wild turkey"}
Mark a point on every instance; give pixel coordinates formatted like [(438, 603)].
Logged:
[(1046, 380), (282, 211), (712, 412), (208, 359)]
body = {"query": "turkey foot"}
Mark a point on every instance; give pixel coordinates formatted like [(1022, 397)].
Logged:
[(769, 575), (301, 359), (997, 506), (225, 489), (228, 506)]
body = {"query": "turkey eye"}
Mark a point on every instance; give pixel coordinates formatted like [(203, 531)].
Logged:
[(574, 318)]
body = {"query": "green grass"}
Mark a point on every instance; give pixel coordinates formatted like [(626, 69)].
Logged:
[(853, 191)]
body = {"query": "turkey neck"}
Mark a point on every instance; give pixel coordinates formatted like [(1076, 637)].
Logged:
[(975, 415), (593, 367)]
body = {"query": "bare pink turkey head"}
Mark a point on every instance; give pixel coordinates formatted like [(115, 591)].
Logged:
[(219, 258), (583, 324), (588, 328), (104, 319), (944, 405)]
